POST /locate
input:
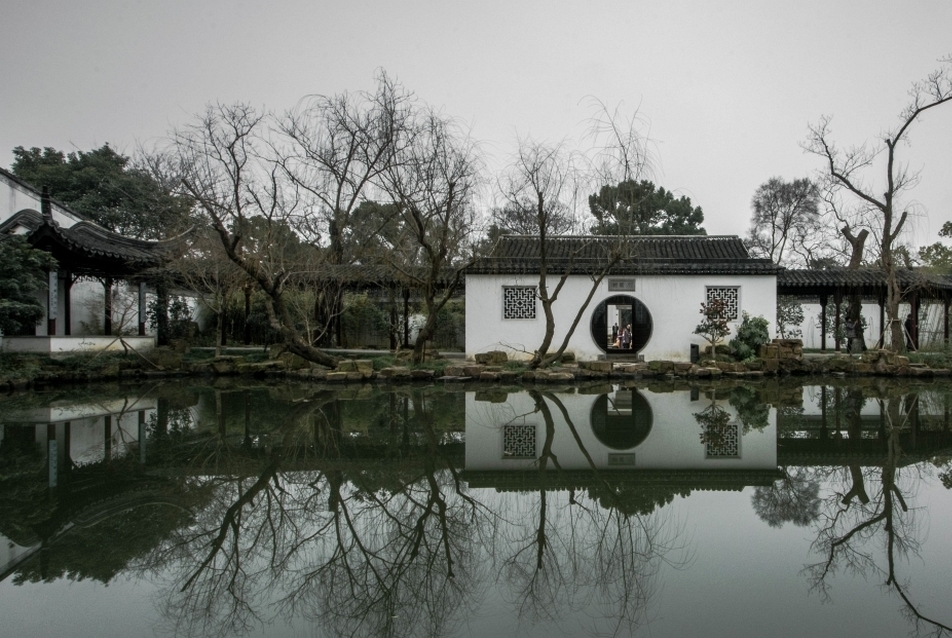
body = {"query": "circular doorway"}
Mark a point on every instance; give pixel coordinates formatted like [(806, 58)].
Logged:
[(609, 320), (621, 420)]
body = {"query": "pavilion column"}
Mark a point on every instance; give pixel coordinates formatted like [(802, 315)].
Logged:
[(406, 317), (107, 313), (52, 297), (945, 319), (838, 302), (393, 320), (914, 333), (823, 300), (67, 304), (882, 321), (247, 327), (143, 309)]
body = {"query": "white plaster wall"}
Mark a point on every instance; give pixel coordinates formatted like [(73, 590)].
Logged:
[(673, 443), (931, 329), (673, 301), (87, 313), (14, 197)]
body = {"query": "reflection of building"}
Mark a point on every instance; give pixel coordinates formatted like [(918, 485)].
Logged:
[(657, 288), (835, 425), (70, 442), (640, 437), (74, 433)]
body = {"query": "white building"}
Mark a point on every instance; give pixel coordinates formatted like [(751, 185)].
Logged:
[(91, 260), (657, 287)]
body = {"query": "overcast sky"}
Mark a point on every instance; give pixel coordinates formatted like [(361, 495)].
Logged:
[(728, 88)]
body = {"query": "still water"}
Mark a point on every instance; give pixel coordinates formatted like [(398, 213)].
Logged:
[(247, 509)]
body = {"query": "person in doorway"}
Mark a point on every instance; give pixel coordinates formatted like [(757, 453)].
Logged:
[(615, 332), (626, 338)]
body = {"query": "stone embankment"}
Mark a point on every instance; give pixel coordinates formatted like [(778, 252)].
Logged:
[(781, 357)]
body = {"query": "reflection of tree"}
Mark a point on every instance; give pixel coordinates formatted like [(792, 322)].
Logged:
[(795, 498), (715, 424), (339, 543), (575, 553), (870, 519), (752, 410)]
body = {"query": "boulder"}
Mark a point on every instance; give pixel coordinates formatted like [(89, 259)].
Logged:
[(493, 357), (596, 366)]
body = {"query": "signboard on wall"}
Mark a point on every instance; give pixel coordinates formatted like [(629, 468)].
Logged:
[(616, 284)]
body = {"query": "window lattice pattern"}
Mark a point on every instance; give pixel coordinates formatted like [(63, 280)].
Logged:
[(519, 441), (730, 295), (519, 302), (724, 443)]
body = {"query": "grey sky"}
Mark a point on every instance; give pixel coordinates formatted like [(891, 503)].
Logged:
[(728, 87)]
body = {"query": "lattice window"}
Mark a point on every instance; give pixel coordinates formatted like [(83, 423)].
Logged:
[(519, 302), (730, 296), (518, 441), (723, 442)]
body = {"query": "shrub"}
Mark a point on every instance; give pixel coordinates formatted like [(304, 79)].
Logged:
[(752, 333)]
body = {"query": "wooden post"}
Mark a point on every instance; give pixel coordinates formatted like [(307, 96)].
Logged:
[(945, 320), (823, 300), (67, 303), (837, 301), (143, 310), (107, 313), (52, 298), (914, 333), (882, 321), (406, 317)]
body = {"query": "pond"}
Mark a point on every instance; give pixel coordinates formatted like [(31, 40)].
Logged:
[(669, 509)]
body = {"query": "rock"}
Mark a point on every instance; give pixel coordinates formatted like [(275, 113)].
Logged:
[(454, 371), (259, 368), (336, 377), (493, 357), (292, 361), (226, 365), (180, 345), (395, 372), (166, 358), (596, 366)]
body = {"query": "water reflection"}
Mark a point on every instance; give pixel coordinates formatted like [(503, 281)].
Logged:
[(409, 511)]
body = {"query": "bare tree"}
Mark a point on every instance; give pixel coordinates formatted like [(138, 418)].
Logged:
[(846, 170), (785, 225), (340, 146), (206, 270), (540, 190), (432, 183), (226, 168)]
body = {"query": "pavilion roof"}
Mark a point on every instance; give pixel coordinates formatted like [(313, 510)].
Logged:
[(89, 249), (862, 280)]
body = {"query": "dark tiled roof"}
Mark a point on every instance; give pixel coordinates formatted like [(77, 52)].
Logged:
[(88, 247), (369, 274), (862, 278), (650, 254)]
